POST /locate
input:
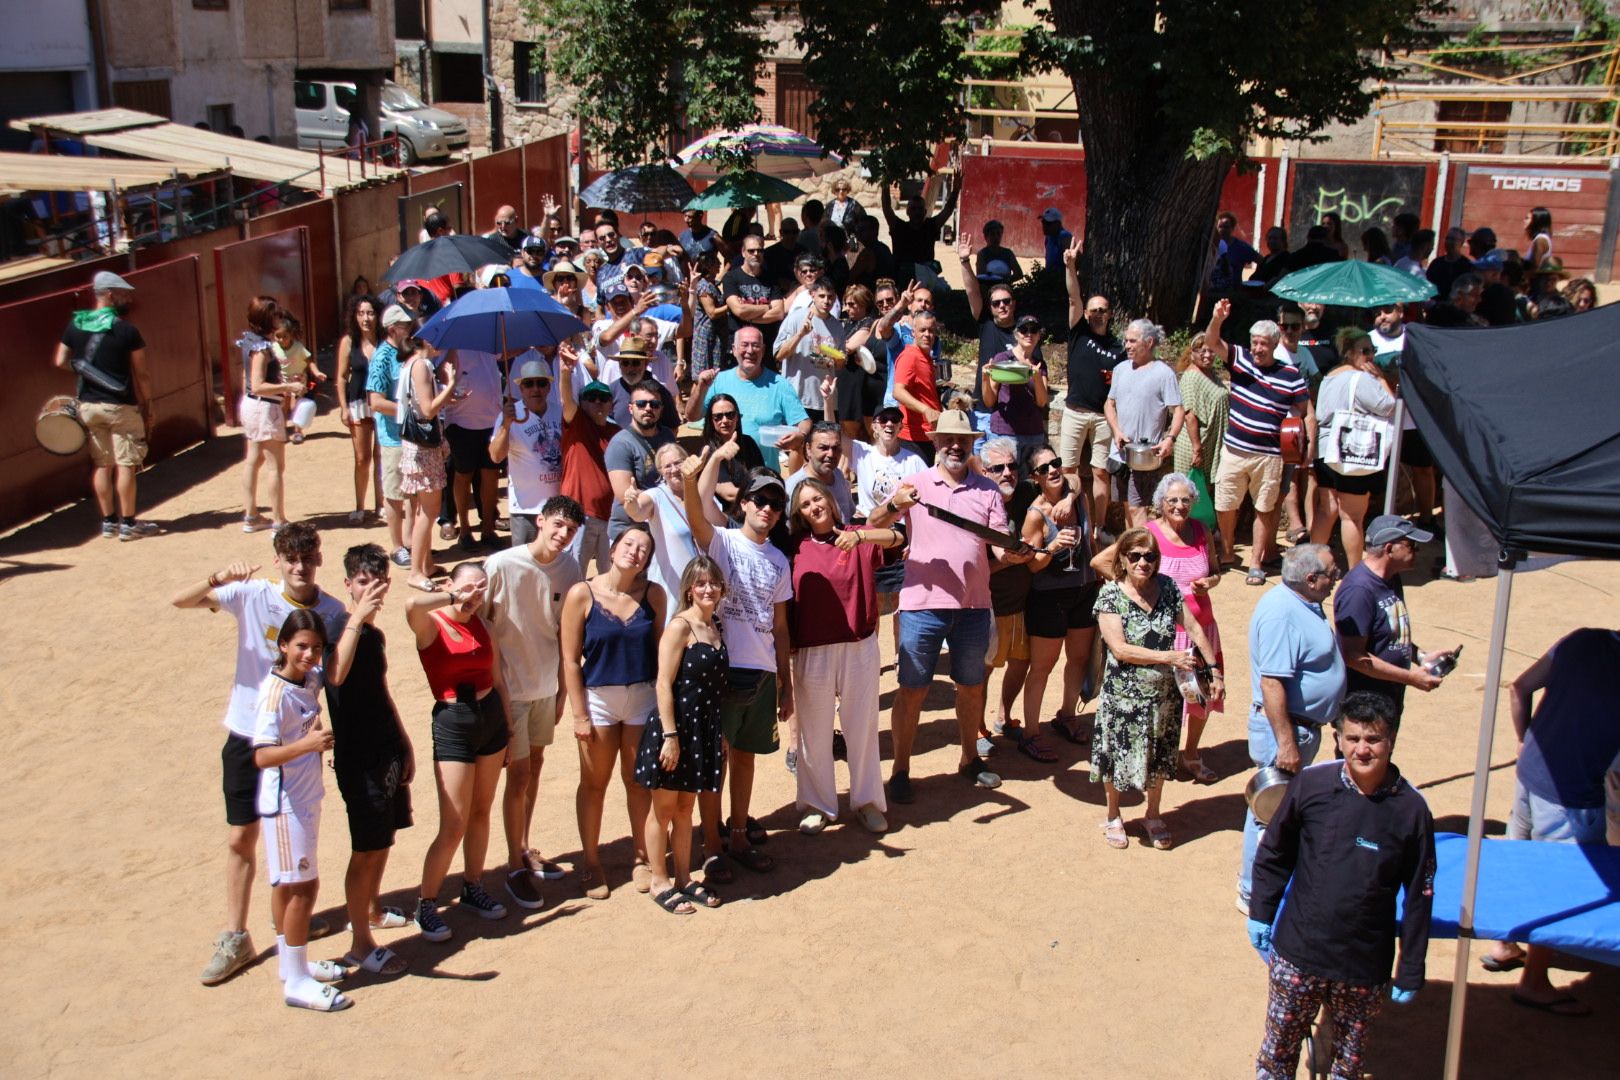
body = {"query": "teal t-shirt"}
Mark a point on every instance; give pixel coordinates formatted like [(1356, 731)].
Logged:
[(382, 377)]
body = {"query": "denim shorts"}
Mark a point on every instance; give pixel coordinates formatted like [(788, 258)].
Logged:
[(966, 630), (1535, 818)]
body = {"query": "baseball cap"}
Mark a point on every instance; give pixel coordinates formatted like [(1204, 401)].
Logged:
[(106, 281), (1386, 528), (763, 482), (996, 270), (1027, 322), (395, 315), (1491, 260), (408, 283), (533, 243), (597, 388), (571, 241), (1051, 213), (889, 412), (614, 291)]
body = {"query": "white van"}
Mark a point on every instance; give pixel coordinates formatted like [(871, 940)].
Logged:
[(322, 111)]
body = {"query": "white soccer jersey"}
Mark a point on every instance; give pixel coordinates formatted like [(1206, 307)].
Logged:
[(260, 608), (284, 712)]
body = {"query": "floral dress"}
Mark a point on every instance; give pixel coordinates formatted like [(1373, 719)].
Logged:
[(1138, 731), (1208, 399), (705, 342)]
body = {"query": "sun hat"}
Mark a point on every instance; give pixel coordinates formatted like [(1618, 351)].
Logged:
[(953, 422)]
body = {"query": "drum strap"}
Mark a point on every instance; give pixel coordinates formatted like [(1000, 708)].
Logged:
[(89, 373)]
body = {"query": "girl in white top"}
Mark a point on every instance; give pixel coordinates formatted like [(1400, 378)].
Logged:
[(1538, 230), (288, 740), (1358, 384), (663, 509)]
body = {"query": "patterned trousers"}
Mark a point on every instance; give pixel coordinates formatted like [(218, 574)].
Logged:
[(1292, 1006)]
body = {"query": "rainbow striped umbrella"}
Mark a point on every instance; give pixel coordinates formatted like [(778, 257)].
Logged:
[(778, 151)]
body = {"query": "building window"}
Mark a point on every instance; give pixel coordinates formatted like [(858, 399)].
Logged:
[(458, 76), (211, 5), (1452, 117), (222, 118), (351, 5), (529, 71), (409, 25)]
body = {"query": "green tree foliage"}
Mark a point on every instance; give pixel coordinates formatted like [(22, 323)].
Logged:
[(645, 73), (888, 77)]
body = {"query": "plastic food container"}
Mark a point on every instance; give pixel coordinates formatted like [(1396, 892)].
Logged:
[(771, 434)]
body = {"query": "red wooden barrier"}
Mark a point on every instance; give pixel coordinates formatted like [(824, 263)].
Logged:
[(276, 265)]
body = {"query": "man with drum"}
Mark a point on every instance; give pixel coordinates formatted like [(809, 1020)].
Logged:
[(114, 400)]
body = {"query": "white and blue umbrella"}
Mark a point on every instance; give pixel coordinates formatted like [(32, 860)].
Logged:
[(500, 321)]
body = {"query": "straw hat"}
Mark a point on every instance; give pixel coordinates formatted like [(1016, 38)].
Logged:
[(549, 278), (954, 422)]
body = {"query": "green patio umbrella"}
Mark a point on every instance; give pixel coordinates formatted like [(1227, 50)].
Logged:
[(1353, 284), (745, 189)]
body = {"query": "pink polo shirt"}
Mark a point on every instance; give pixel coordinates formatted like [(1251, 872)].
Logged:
[(946, 567)]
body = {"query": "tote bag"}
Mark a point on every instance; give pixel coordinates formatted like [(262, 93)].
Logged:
[(1357, 443)]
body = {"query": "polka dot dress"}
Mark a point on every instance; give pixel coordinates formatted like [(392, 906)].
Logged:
[(698, 691)]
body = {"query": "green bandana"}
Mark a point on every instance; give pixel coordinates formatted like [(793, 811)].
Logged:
[(95, 321)]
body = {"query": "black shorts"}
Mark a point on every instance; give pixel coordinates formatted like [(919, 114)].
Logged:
[(378, 802), (466, 733), (1052, 613), (1329, 477), (469, 448), (241, 780), (1414, 451)]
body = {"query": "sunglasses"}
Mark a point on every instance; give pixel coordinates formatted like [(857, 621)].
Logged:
[(505, 221), (728, 415), (1097, 311), (1331, 575), (607, 236), (535, 384), (597, 399), (646, 404), (1002, 301), (1292, 325), (1141, 556), (752, 250), (775, 506), (998, 469), (1043, 469)]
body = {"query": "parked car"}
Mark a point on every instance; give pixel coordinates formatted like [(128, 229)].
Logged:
[(322, 111)]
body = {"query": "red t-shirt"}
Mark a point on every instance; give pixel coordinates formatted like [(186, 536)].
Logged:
[(835, 596), (584, 461), (914, 370)]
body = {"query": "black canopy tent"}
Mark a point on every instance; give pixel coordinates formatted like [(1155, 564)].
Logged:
[(1523, 423)]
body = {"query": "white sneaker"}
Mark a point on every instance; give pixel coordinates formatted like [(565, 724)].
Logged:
[(871, 819), (812, 823)]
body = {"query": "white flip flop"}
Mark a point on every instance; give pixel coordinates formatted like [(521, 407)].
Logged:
[(329, 1000), (379, 961)]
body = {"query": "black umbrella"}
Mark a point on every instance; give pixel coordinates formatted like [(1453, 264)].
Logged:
[(448, 255), (640, 189)]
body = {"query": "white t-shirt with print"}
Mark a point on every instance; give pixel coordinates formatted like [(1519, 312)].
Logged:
[(284, 712), (260, 608), (534, 456), (877, 475), (757, 579)]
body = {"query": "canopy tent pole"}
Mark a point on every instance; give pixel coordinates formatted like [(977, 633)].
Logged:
[(1476, 822), (1392, 482)]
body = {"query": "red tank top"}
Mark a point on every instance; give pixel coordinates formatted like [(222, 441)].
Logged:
[(460, 653)]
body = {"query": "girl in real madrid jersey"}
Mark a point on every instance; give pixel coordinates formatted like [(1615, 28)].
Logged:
[(288, 741)]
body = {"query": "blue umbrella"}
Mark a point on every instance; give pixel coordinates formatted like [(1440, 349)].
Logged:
[(501, 320)]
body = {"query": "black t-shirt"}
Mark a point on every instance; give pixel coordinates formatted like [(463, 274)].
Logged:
[(1271, 267), (779, 264), (1367, 606), (111, 359), (365, 727), (738, 282), (882, 265), (993, 341), (914, 240), (1092, 358), (1443, 271)]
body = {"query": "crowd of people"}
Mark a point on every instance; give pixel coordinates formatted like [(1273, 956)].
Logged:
[(714, 495)]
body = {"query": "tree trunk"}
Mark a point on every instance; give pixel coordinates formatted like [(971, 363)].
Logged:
[(1150, 208)]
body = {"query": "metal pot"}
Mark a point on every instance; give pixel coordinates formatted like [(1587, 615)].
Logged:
[(1265, 791), (1141, 457)]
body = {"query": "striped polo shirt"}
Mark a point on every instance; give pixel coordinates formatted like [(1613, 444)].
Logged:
[(1261, 399)]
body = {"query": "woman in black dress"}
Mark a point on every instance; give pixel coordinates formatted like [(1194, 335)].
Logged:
[(683, 753)]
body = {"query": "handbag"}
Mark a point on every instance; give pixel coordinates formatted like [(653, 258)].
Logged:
[(1357, 443), (1204, 506), (413, 426)]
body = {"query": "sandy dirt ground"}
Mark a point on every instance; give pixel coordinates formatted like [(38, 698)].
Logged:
[(989, 933)]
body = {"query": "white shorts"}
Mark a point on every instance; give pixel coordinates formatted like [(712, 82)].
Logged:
[(359, 410), (290, 840), (632, 705)]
